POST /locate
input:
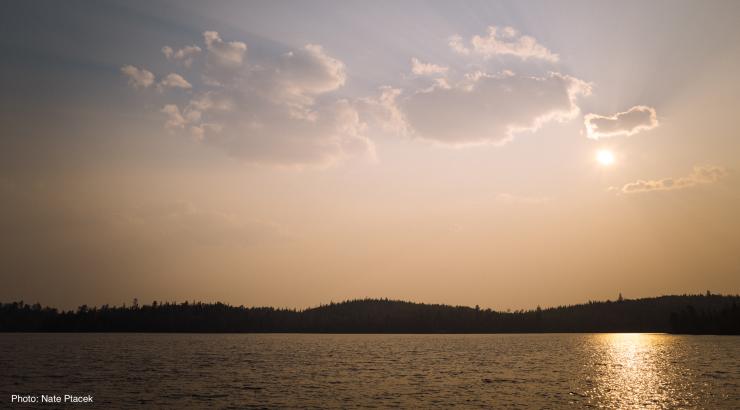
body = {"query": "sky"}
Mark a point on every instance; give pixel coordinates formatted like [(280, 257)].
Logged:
[(501, 154)]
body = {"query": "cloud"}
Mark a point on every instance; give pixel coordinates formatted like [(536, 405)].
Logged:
[(184, 55), (138, 77), (636, 119), (301, 75), (703, 174), (457, 44), (502, 41), (173, 80), (479, 106), (222, 54), (276, 111), (484, 108), (383, 111), (419, 68)]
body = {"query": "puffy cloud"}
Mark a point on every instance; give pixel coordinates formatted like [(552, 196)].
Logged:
[(502, 41), (222, 54), (636, 119), (173, 80), (138, 77), (478, 107), (419, 68), (258, 131), (279, 111), (301, 75), (705, 174), (184, 55), (489, 109)]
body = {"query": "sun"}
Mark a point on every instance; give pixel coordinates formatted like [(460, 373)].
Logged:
[(605, 157)]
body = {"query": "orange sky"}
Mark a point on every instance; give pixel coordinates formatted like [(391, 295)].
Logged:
[(499, 154)]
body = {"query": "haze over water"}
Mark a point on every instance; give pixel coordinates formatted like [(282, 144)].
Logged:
[(345, 371)]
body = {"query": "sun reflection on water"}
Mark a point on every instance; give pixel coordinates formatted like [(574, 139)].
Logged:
[(635, 370)]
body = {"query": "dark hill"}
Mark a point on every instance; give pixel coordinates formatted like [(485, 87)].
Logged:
[(711, 314)]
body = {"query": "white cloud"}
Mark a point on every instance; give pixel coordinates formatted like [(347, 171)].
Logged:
[(478, 107), (489, 109), (277, 111), (301, 75), (184, 55), (702, 174), (138, 77), (502, 41), (222, 54), (173, 80), (636, 119), (419, 68)]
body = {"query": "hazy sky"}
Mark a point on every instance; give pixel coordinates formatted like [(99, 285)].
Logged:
[(505, 154)]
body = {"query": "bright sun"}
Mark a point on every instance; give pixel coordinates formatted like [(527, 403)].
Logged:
[(605, 157)]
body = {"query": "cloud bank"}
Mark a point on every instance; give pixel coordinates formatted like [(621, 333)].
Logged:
[(279, 111), (636, 119), (477, 107), (492, 108), (480, 108), (284, 109), (703, 174)]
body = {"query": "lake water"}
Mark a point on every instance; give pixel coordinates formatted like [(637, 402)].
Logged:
[(419, 371)]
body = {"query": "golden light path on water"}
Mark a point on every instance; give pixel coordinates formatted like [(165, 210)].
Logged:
[(488, 371), (634, 370)]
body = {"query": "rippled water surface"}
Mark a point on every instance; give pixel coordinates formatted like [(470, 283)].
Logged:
[(291, 370)]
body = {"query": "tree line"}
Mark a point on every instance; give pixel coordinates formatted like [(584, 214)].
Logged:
[(698, 314)]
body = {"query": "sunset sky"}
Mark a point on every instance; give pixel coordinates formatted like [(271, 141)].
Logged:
[(505, 154)]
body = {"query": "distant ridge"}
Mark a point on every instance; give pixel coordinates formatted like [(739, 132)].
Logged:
[(694, 314)]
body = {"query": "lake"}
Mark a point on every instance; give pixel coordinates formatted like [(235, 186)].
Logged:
[(419, 371)]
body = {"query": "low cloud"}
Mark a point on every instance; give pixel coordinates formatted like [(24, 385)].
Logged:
[(419, 68), (502, 41), (224, 54), (277, 111), (138, 77), (481, 108), (703, 174), (477, 107), (284, 109), (636, 119), (173, 80), (184, 55)]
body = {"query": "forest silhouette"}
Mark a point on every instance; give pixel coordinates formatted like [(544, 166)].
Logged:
[(691, 314)]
